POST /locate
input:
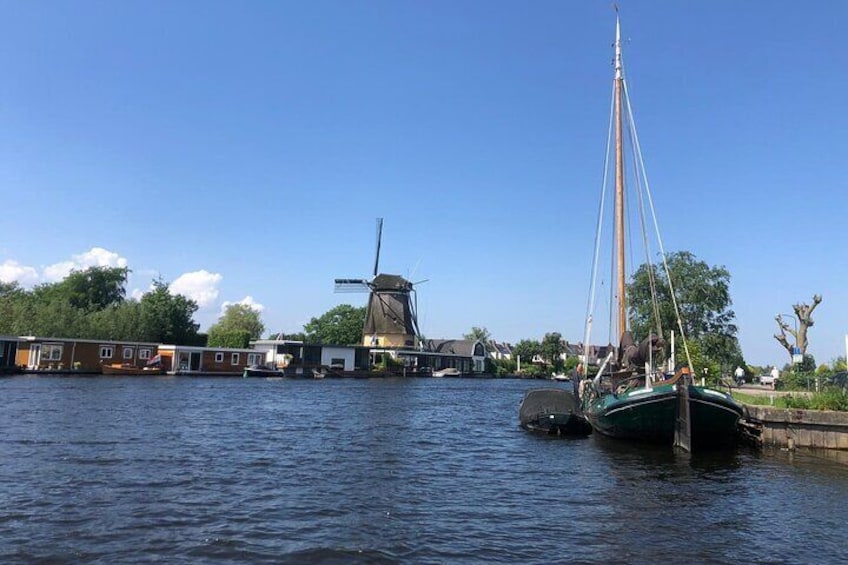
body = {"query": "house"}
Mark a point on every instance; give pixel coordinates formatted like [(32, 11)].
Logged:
[(469, 356), (38, 354), (595, 354), (293, 355), (215, 361), (500, 351), (571, 350)]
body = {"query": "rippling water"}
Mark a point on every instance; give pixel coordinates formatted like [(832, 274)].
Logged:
[(376, 471)]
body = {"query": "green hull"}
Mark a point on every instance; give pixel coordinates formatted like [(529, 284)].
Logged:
[(650, 415)]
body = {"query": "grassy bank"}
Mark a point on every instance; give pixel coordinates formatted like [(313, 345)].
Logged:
[(825, 400)]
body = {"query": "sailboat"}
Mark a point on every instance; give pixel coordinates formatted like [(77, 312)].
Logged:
[(632, 396)]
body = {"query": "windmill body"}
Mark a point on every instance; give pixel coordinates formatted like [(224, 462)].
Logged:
[(391, 319)]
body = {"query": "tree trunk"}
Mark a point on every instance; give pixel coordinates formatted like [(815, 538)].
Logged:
[(803, 313)]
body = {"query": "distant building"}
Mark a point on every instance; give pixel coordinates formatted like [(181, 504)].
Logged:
[(291, 354), (469, 355), (500, 351)]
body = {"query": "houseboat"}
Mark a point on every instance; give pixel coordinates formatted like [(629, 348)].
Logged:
[(207, 361), (297, 359), (79, 356)]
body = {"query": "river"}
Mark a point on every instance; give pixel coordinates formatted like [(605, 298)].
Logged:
[(212, 470)]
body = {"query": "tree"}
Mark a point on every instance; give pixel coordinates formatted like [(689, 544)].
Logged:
[(341, 325), (526, 349), (804, 315), (703, 298), (166, 318), (552, 349), (12, 298), (117, 322), (479, 334), (236, 327), (238, 339), (95, 288)]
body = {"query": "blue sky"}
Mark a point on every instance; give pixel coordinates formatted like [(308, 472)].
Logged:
[(244, 150)]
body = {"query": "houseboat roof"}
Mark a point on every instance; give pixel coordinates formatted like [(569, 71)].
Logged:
[(201, 349), (77, 340), (275, 342)]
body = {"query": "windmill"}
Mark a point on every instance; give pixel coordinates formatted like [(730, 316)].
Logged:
[(391, 319)]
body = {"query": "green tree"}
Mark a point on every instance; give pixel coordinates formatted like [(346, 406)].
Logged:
[(94, 288), (236, 327), (703, 297), (479, 334), (166, 318), (117, 322), (341, 325), (526, 349), (59, 318), (552, 348), (12, 298), (238, 339)]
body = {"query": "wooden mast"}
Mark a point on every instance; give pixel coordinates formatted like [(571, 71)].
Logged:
[(619, 184)]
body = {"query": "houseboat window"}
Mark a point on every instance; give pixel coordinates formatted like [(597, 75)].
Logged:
[(219, 356), (106, 351), (235, 359), (128, 353), (51, 352), (254, 358), (144, 354)]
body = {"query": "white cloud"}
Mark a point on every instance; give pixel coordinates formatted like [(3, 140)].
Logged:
[(137, 293), (11, 270), (247, 301), (94, 257), (201, 286)]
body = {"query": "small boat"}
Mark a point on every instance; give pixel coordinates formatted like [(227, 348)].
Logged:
[(562, 377), (448, 372), (130, 370), (631, 397), (552, 411), (262, 372)]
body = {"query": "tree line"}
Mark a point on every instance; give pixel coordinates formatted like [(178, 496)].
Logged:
[(92, 304)]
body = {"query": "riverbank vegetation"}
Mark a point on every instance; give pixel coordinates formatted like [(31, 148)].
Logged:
[(827, 399), (92, 304)]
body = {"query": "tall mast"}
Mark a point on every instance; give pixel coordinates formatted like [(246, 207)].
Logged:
[(619, 183)]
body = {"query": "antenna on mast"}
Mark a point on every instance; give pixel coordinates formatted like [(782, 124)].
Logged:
[(618, 65)]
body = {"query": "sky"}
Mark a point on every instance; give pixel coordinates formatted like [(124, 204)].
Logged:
[(243, 150)]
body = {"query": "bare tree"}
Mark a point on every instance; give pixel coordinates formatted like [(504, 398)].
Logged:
[(804, 313)]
